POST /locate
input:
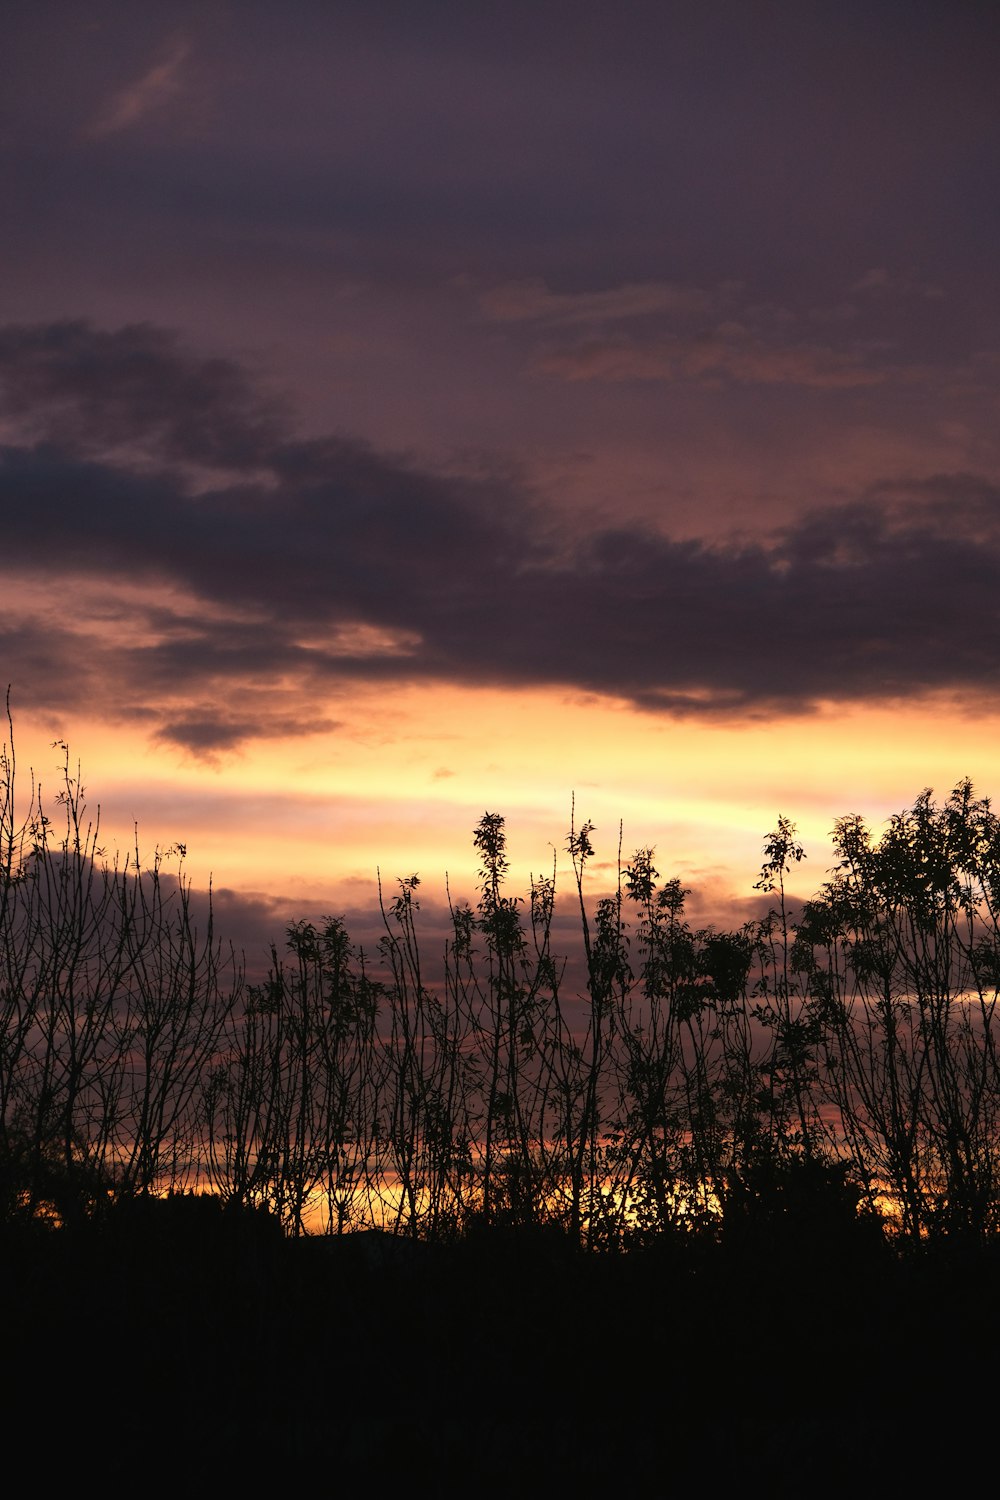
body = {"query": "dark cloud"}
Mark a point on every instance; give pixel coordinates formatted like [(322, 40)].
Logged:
[(91, 390), (208, 732), (298, 566)]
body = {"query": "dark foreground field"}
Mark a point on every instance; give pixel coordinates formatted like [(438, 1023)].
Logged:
[(186, 1346)]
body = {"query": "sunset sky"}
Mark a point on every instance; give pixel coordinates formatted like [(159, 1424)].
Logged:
[(408, 411)]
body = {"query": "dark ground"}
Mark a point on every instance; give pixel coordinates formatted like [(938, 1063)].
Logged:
[(187, 1345)]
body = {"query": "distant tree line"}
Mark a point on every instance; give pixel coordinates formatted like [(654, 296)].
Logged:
[(836, 1063)]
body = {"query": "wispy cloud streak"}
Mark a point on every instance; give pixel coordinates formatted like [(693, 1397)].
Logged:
[(146, 95)]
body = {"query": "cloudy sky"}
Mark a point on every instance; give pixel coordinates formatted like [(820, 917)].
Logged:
[(407, 411)]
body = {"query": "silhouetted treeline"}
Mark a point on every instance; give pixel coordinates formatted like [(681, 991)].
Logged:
[(820, 1067)]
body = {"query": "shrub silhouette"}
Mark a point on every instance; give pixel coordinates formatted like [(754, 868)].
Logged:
[(803, 1205)]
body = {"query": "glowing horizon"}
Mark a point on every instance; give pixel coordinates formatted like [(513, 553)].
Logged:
[(313, 820)]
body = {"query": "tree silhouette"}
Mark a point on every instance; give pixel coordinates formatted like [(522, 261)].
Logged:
[(840, 1060)]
